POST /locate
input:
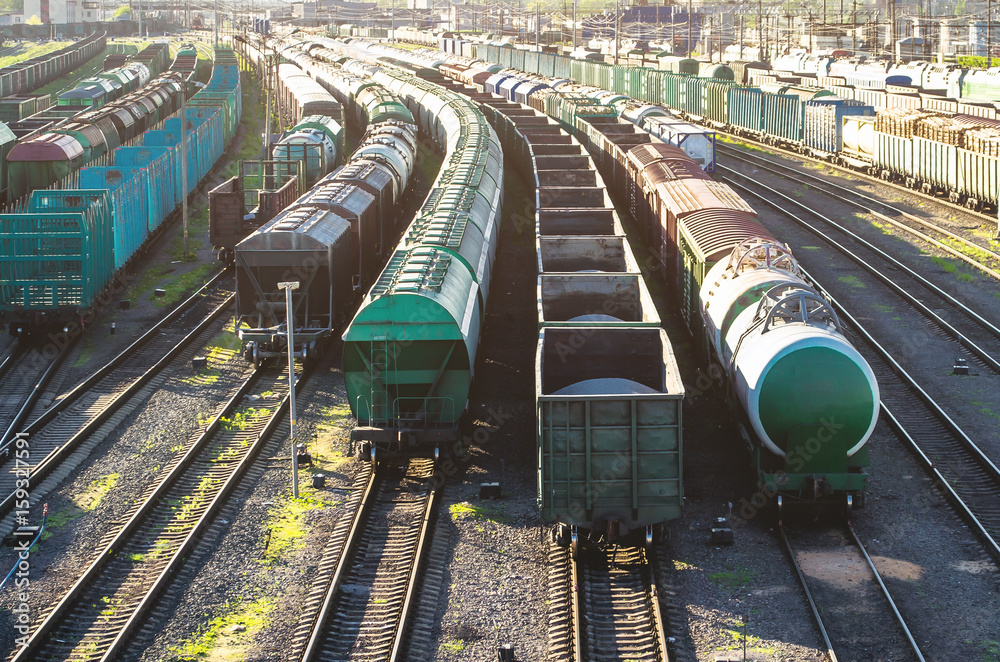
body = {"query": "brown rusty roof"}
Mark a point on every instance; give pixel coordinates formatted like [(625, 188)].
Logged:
[(712, 234), (684, 197)]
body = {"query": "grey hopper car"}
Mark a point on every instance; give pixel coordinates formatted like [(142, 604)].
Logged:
[(308, 245)]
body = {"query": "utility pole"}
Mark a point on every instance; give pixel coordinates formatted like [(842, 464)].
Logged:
[(618, 27), (290, 324), (741, 36), (989, 33), (538, 24), (760, 30), (854, 32), (184, 170), (575, 4), (690, 47)]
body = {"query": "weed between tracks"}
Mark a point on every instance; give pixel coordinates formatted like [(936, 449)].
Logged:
[(227, 636), (466, 510), (852, 281), (951, 267), (736, 579), (83, 503), (221, 349), (288, 522)]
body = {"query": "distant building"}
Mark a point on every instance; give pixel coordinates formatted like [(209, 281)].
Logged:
[(11, 19), (63, 11)]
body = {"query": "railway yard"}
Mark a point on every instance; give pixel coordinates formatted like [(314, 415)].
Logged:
[(528, 331)]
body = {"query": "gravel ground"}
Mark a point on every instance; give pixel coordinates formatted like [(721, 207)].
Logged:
[(106, 486), (903, 509), (240, 596), (923, 350), (497, 567)]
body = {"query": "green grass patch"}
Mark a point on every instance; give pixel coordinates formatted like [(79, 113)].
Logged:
[(852, 281), (253, 123), (812, 248), (287, 521), (177, 252), (736, 142), (948, 266), (90, 498), (978, 254), (228, 636), (85, 353), (964, 277), (882, 308), (453, 646), (753, 643), (243, 419), (735, 579), (32, 51), (221, 349), (884, 228), (990, 650), (466, 510), (184, 284)]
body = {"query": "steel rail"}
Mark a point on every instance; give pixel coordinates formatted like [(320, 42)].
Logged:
[(962, 338), (84, 386), (314, 646), (396, 653), (973, 454), (883, 590), (34, 395), (10, 355), (131, 528), (639, 580), (56, 456), (317, 645), (576, 577), (780, 151), (809, 596), (774, 167)]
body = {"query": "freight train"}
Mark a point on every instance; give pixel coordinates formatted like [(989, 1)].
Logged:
[(326, 240), (775, 338), (608, 393), (60, 254), (410, 350), (330, 239), (62, 139), (384, 161), (940, 145), (28, 75)]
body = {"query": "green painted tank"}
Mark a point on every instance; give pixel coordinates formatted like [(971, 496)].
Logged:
[(409, 352)]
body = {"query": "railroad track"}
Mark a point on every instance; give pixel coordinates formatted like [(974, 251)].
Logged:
[(97, 617), (361, 604), (960, 469), (856, 615), (941, 238), (963, 325), (851, 172), (603, 605), (24, 376), (135, 373)]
